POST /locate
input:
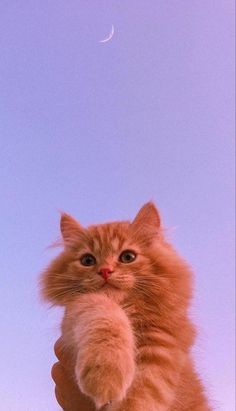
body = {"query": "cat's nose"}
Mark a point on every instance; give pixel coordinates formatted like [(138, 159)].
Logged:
[(105, 272)]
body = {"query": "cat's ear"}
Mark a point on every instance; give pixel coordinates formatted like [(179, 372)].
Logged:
[(71, 230), (147, 221)]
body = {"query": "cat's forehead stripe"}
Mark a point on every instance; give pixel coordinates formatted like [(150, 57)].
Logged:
[(117, 243), (97, 240), (107, 238)]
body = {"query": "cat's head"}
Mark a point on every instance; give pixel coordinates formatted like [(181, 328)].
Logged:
[(119, 259)]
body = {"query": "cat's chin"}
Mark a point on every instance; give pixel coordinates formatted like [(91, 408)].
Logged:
[(113, 292)]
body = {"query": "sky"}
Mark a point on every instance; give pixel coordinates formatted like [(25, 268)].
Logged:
[(97, 129)]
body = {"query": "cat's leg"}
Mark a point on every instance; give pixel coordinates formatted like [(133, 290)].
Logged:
[(155, 382), (104, 348), (104, 376), (149, 392)]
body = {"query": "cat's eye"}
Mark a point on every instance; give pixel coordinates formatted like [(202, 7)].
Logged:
[(127, 256), (87, 260)]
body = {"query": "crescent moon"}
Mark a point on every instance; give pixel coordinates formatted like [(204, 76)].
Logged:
[(110, 35)]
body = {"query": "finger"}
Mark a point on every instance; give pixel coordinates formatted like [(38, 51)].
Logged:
[(58, 348), (63, 380), (67, 391), (63, 354), (60, 399), (57, 372)]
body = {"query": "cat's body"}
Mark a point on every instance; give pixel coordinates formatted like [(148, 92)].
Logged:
[(127, 294)]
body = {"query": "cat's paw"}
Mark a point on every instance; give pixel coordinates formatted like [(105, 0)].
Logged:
[(104, 383)]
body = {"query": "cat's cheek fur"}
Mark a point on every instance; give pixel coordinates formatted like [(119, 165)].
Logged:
[(104, 347)]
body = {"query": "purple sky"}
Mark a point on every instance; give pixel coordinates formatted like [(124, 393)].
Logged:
[(97, 130)]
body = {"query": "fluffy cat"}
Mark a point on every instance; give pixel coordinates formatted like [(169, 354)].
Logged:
[(126, 295)]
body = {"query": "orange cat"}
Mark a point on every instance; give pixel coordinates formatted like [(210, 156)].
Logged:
[(126, 295)]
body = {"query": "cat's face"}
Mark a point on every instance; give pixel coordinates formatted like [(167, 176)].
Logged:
[(109, 258)]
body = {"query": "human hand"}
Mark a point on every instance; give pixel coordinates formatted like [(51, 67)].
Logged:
[(67, 392)]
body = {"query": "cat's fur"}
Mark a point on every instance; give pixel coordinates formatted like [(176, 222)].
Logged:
[(130, 337)]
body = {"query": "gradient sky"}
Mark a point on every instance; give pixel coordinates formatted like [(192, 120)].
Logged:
[(97, 130)]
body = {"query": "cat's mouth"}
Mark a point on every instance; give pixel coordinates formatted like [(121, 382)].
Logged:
[(108, 284), (112, 291)]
